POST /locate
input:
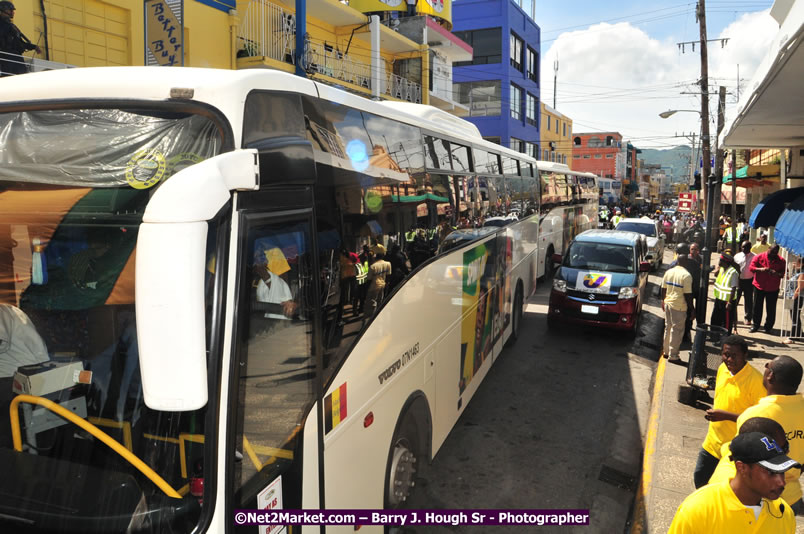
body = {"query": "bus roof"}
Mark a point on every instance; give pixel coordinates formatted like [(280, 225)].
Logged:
[(617, 237), (226, 90)]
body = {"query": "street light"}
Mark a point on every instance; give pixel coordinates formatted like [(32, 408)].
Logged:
[(671, 112)]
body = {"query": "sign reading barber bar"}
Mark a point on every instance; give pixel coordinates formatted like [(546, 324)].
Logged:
[(164, 32)]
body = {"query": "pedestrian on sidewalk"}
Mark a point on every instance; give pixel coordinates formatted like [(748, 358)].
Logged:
[(676, 304), (782, 404), (795, 292), (761, 244), (768, 268), (693, 267), (749, 502), (726, 469), (737, 386), (724, 292), (745, 286)]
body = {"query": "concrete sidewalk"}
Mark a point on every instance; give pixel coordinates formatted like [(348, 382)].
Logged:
[(676, 431)]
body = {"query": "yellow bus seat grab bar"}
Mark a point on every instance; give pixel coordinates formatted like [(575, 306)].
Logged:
[(92, 429)]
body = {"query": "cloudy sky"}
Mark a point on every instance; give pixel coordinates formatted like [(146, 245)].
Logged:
[(619, 67)]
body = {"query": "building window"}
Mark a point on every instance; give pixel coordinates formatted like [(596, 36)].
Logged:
[(549, 118), (565, 130), (598, 156), (532, 150), (487, 44), (546, 156), (484, 99), (532, 106), (586, 156), (533, 65), (577, 141), (557, 125), (609, 156), (516, 102), (565, 159), (516, 52), (517, 144), (576, 156)]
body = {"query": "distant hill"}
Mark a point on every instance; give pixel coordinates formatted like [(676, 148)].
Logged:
[(675, 160)]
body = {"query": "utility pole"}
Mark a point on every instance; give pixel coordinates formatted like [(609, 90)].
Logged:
[(555, 77), (705, 147)]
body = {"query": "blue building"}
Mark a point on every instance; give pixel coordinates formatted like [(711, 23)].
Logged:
[(500, 85)]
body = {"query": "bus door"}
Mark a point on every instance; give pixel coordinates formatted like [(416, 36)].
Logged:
[(276, 374)]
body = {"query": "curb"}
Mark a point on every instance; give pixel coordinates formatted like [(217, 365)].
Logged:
[(638, 525)]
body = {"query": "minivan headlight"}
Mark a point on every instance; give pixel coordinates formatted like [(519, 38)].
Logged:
[(628, 292), (560, 285)]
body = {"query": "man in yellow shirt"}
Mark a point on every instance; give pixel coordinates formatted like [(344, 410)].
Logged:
[(676, 305), (749, 502), (781, 378), (737, 386), (726, 470), (762, 245)]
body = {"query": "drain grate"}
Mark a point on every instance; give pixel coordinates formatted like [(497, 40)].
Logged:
[(616, 478)]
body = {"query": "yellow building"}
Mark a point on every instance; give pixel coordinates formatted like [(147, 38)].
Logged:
[(228, 34), (556, 136)]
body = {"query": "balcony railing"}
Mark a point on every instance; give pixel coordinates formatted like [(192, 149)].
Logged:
[(269, 31), (31, 64)]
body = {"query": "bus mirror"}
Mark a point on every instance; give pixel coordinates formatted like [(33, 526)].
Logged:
[(170, 315), (556, 258), (171, 269), (644, 266)]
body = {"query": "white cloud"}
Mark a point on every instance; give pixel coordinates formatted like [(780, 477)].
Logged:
[(616, 77)]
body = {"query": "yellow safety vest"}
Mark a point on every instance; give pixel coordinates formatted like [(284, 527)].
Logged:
[(722, 291), (362, 272), (615, 220), (728, 237)]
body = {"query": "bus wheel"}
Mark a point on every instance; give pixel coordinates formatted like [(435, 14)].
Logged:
[(402, 467), (516, 316)]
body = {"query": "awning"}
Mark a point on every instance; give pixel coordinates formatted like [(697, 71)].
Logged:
[(768, 211), (755, 175), (789, 231)]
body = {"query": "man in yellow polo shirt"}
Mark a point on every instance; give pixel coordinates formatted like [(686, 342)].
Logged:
[(781, 378), (726, 470), (749, 502), (737, 386)]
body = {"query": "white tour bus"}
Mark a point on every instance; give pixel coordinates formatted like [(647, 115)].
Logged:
[(190, 262), (569, 204)]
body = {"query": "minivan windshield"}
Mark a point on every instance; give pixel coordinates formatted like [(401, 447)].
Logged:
[(646, 228), (608, 257)]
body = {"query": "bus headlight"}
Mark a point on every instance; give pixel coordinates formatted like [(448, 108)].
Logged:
[(628, 292), (560, 285)]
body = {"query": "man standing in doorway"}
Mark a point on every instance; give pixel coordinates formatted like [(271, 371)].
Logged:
[(768, 269), (12, 43)]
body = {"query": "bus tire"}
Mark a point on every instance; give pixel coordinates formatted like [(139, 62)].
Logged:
[(516, 316), (408, 454)]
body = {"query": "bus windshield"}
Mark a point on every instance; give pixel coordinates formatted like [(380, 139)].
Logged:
[(73, 188)]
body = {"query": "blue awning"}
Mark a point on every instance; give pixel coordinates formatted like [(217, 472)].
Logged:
[(770, 209), (789, 231)]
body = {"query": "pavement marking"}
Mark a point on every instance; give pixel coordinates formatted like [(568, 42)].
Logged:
[(638, 522)]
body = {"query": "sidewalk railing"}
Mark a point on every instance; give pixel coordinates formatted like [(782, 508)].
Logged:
[(30, 64)]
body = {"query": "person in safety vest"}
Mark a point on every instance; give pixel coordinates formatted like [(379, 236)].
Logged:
[(725, 293), (731, 237), (616, 219)]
